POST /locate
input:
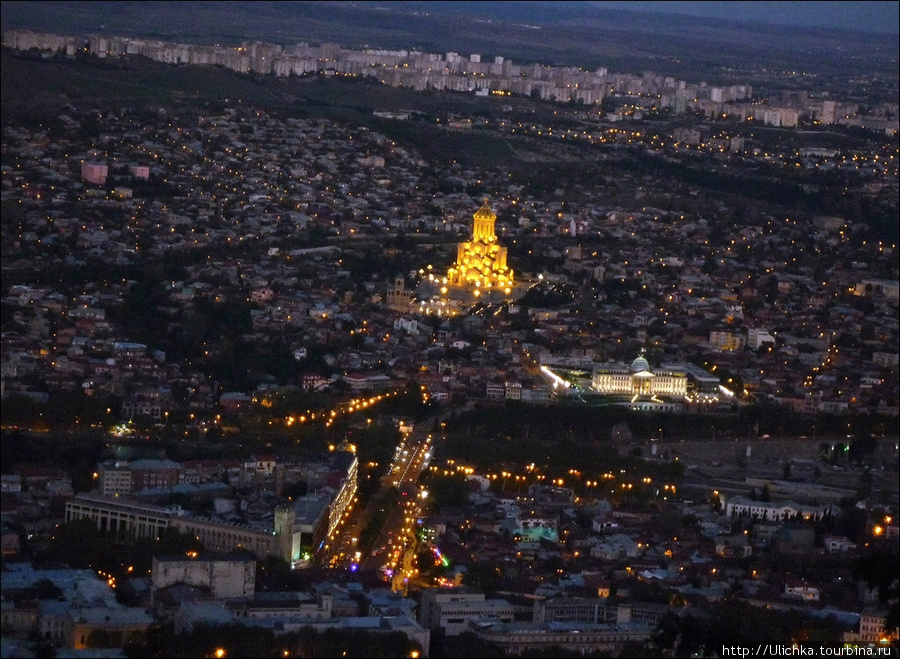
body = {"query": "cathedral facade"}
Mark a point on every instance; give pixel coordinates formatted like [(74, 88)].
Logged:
[(481, 262), (481, 271)]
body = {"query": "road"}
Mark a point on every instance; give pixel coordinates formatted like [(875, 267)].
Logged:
[(395, 543)]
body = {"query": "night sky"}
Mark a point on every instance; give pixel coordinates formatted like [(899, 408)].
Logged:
[(872, 17)]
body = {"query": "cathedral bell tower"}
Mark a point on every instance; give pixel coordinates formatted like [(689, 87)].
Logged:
[(483, 229)]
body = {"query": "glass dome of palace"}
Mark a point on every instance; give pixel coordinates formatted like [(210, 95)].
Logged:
[(639, 365)]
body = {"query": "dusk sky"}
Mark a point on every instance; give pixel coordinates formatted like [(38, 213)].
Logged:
[(879, 17)]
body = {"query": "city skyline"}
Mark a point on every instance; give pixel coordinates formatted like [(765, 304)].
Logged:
[(394, 334)]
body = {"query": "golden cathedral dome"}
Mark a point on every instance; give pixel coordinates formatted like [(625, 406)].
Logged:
[(485, 213)]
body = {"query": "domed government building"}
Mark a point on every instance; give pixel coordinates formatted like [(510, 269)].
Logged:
[(681, 387), (670, 387), (640, 380)]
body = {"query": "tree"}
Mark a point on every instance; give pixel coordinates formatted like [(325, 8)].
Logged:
[(483, 575), (877, 566), (446, 491), (295, 490), (667, 631), (892, 620), (463, 646), (634, 649), (862, 448), (45, 589)]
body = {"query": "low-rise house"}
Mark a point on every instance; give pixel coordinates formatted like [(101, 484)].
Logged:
[(800, 589)]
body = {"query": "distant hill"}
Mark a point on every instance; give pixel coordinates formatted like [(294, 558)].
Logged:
[(559, 33)]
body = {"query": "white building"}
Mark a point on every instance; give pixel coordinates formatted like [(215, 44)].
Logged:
[(451, 609), (517, 637), (875, 287), (871, 626), (836, 544), (758, 337), (114, 478), (800, 589), (774, 510), (639, 380), (224, 576)]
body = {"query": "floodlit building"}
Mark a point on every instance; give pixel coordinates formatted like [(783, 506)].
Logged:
[(481, 261), (481, 270), (639, 379)]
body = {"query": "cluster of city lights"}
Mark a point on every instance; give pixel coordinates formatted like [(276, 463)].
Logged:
[(574, 478), (348, 407)]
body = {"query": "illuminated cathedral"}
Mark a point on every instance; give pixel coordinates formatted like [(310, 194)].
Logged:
[(481, 262), (481, 271)]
